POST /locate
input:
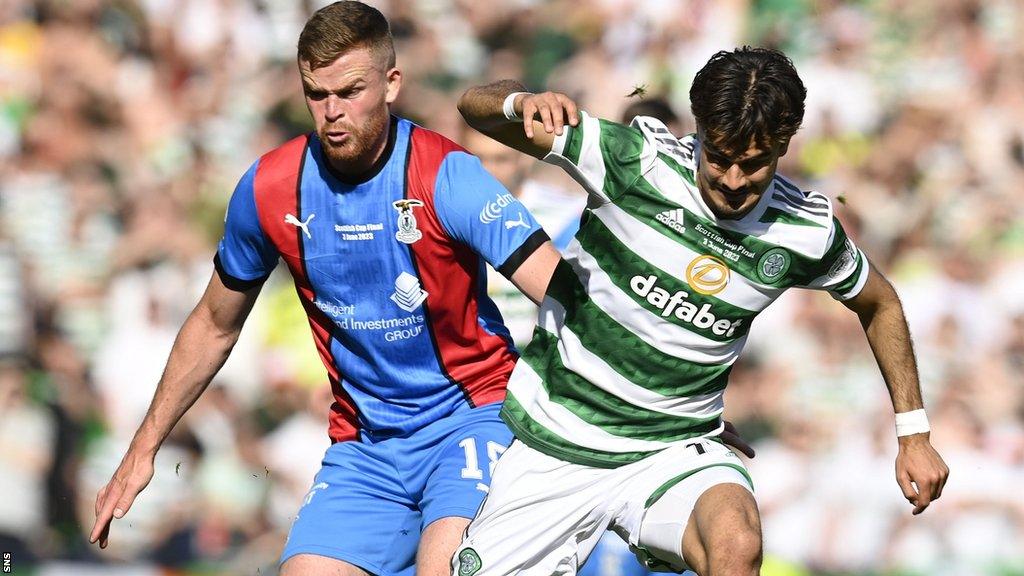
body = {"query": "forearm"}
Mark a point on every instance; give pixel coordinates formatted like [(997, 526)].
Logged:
[(920, 471), (889, 338), (481, 106), (198, 353)]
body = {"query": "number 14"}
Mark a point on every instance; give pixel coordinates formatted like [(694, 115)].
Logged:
[(472, 469)]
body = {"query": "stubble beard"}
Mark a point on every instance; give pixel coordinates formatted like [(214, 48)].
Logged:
[(359, 150), (721, 207)]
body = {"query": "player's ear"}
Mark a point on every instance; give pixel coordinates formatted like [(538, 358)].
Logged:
[(394, 85), (783, 147)]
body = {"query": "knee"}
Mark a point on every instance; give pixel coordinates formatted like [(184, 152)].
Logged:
[(737, 551)]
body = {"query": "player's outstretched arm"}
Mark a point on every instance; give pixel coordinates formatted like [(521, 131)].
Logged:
[(881, 315), (533, 275), (529, 123), (202, 346)]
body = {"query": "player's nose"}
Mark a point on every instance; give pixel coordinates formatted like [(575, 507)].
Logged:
[(734, 179), (334, 108)]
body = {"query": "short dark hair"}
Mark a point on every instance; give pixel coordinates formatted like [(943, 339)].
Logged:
[(748, 95), (337, 28), (654, 107)]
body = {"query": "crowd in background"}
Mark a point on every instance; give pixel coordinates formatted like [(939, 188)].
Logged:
[(124, 125)]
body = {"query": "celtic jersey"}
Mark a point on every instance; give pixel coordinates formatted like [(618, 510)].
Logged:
[(646, 315)]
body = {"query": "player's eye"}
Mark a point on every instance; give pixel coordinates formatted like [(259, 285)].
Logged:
[(754, 165), (719, 161), (350, 93), (316, 94)]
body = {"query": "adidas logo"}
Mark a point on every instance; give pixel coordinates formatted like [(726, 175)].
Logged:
[(674, 219)]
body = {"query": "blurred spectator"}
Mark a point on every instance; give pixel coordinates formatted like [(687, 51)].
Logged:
[(655, 108), (27, 435)]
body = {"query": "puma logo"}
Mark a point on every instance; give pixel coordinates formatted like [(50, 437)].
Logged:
[(512, 224), (290, 219)]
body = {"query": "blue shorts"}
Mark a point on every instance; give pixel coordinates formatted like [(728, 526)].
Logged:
[(372, 499)]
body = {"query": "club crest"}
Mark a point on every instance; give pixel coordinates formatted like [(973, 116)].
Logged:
[(407, 231), (469, 562), (773, 265)]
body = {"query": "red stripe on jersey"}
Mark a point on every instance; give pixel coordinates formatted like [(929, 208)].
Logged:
[(478, 361), (277, 188)]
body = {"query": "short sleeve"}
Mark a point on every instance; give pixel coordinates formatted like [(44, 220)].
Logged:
[(606, 158), (245, 256), (476, 210), (843, 270)]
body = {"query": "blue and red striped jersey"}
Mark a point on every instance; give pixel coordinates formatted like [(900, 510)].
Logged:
[(390, 270)]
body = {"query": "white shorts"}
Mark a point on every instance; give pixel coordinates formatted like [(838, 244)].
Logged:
[(543, 516)]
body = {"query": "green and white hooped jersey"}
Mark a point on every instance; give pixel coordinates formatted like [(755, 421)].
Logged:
[(643, 320)]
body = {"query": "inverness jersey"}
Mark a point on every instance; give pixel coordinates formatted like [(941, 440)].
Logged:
[(390, 269), (644, 319)]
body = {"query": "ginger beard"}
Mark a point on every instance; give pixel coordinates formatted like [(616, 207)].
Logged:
[(359, 143)]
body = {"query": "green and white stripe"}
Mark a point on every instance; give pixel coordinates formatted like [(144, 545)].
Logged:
[(670, 253), (628, 357), (610, 359)]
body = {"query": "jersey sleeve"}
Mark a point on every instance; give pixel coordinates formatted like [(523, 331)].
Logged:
[(606, 158), (843, 270), (476, 210), (245, 256)]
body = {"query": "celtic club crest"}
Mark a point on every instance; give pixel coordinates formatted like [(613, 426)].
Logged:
[(469, 562), (407, 232), (773, 265)]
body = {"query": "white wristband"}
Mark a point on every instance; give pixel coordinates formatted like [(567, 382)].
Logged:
[(913, 422), (509, 107)]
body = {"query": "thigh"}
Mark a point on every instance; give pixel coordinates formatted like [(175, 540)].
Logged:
[(358, 513), (458, 465), (313, 565), (663, 495), (542, 516), (437, 546), (724, 530)]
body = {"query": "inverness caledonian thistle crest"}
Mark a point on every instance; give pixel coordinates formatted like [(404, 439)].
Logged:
[(407, 232)]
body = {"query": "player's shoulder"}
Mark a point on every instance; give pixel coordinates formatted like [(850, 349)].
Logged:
[(663, 141), (287, 157), (429, 145), (435, 163), (799, 219), (809, 206), (276, 172)]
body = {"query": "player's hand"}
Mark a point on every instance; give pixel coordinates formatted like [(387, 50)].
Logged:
[(920, 471), (732, 438), (114, 499), (553, 109)]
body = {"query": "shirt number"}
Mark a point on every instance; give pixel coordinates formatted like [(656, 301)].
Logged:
[(472, 469)]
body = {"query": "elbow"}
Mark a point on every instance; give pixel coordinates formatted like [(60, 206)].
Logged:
[(463, 104), (216, 336), (888, 308), (225, 339)]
